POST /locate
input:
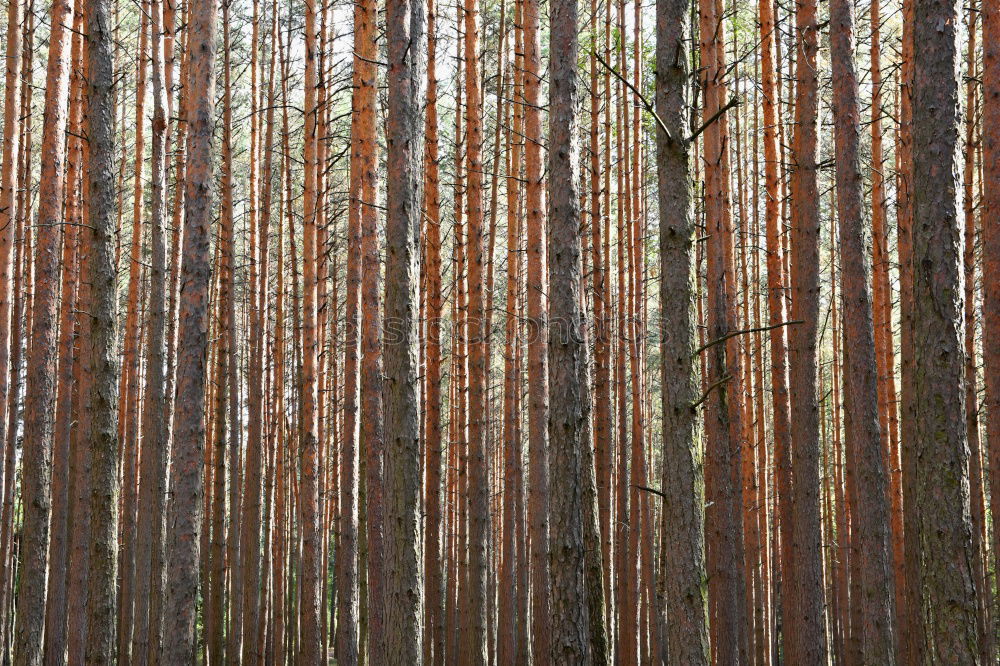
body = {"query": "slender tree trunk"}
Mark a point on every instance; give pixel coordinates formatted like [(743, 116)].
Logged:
[(726, 587), (309, 604), (434, 619), (538, 400), (478, 473), (55, 609), (991, 251), (872, 510), (154, 453), (36, 478)]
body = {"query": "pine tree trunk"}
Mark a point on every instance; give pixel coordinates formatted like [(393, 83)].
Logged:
[(568, 391), (36, 478), (407, 78), (944, 538), (99, 352), (683, 566), (187, 483), (861, 371), (806, 633)]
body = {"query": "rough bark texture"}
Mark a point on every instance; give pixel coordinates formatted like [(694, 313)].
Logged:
[(478, 486), (991, 250), (100, 343), (724, 548), (153, 456), (806, 633), (568, 392), (537, 333), (187, 482), (36, 478), (309, 603), (407, 78), (682, 574), (944, 540), (871, 513)]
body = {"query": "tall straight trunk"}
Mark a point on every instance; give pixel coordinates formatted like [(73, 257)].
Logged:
[(478, 473), (36, 478), (99, 352), (683, 565), (806, 632), (944, 538), (882, 315), (991, 251), (434, 619), (55, 609), (186, 471), (362, 173), (154, 453), (372, 427), (976, 476), (776, 302), (254, 581), (11, 156), (910, 617), (309, 603), (22, 278), (726, 588), (404, 594), (128, 405), (158, 564), (538, 380), (510, 624), (570, 401), (79, 471), (872, 510), (603, 441)]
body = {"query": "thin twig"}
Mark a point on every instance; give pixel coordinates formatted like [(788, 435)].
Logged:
[(650, 490), (762, 329), (733, 101), (645, 102), (708, 391)]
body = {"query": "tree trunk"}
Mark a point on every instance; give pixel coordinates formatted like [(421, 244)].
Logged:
[(570, 401), (186, 471), (805, 629), (872, 510), (944, 538), (36, 478), (99, 353), (406, 24), (683, 566)]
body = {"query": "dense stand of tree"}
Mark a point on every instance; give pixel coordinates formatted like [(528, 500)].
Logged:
[(500, 332)]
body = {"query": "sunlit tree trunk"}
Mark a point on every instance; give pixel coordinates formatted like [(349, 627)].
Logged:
[(36, 478), (872, 509), (186, 473)]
